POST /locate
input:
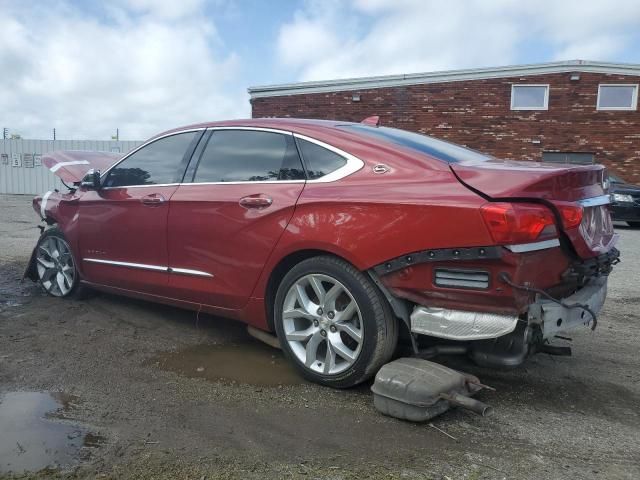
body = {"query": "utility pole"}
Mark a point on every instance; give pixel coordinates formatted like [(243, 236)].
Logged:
[(117, 134), (54, 133), (5, 133)]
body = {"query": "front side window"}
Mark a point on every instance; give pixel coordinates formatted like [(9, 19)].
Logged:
[(156, 163), (249, 156), (617, 97), (529, 97)]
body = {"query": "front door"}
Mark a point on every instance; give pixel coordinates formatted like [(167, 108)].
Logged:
[(224, 225), (123, 225)]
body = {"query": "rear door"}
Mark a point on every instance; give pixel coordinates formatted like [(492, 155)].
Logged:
[(123, 225), (225, 223)]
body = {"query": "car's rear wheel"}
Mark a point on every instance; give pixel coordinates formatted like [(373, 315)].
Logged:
[(56, 267), (333, 323)]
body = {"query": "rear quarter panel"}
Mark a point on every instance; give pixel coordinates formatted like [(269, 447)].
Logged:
[(369, 218)]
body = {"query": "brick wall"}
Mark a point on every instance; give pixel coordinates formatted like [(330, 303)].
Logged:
[(477, 113)]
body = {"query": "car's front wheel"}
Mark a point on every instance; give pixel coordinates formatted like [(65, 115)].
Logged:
[(56, 267), (333, 323)]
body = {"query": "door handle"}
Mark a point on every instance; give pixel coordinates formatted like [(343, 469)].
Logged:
[(153, 200), (256, 201)]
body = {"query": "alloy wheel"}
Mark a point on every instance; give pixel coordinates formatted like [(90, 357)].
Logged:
[(56, 269), (322, 324)]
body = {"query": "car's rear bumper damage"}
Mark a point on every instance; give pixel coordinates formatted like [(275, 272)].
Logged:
[(574, 312), (494, 306)]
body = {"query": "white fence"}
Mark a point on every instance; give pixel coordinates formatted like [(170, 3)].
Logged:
[(21, 168)]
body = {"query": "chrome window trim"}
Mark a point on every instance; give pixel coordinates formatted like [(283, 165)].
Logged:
[(143, 186), (596, 201), (244, 182), (253, 129), (141, 266), (189, 271), (353, 163), (530, 247), (148, 142)]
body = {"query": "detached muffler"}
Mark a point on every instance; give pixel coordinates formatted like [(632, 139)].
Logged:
[(418, 390)]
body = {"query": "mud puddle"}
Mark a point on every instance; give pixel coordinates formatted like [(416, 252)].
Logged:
[(247, 363), (32, 436)]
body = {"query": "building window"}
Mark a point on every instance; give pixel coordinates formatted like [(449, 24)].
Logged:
[(617, 97), (576, 158), (529, 97)]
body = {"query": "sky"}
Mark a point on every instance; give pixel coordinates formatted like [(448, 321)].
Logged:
[(87, 67)]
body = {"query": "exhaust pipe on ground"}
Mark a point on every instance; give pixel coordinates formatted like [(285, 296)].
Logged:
[(472, 404), (264, 337)]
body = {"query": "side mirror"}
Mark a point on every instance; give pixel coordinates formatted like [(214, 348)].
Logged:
[(91, 180)]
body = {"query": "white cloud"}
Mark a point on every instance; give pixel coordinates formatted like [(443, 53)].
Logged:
[(404, 36), (143, 66)]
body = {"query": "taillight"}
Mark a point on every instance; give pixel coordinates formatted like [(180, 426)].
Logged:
[(571, 214), (512, 223)]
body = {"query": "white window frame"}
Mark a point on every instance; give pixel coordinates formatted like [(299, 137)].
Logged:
[(634, 98), (546, 95)]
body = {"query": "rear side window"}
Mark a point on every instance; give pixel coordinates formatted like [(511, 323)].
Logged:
[(249, 156), (156, 163), (318, 160)]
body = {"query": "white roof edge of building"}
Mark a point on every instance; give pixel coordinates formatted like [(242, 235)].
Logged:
[(364, 83)]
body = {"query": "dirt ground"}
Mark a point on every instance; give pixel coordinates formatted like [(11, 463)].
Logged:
[(167, 394)]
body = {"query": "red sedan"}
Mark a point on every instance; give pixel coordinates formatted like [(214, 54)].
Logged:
[(336, 237)]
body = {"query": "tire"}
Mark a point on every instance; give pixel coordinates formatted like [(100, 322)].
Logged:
[(333, 323), (634, 224), (55, 266)]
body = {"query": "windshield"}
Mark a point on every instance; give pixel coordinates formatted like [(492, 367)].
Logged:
[(440, 149)]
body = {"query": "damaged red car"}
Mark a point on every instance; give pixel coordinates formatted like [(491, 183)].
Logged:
[(336, 238)]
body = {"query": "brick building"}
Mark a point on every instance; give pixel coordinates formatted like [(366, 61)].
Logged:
[(575, 111)]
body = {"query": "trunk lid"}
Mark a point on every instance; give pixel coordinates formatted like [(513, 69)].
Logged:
[(72, 165), (513, 179), (554, 185)]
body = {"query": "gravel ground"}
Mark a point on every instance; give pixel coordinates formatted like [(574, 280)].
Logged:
[(173, 395)]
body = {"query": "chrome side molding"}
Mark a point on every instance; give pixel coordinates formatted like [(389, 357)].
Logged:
[(156, 268), (141, 266), (188, 271)]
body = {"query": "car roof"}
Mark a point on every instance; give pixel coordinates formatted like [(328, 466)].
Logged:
[(289, 124)]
